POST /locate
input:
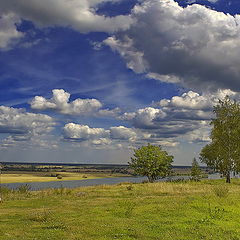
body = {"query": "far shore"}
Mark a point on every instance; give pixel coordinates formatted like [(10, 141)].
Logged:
[(27, 177)]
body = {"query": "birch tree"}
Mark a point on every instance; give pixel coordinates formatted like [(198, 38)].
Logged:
[(223, 152)]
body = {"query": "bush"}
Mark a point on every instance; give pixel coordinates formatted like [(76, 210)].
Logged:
[(59, 176)]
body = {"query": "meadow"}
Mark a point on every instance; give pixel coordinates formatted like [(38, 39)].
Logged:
[(209, 209)]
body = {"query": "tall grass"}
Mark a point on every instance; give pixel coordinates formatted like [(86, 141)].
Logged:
[(184, 210), (221, 191)]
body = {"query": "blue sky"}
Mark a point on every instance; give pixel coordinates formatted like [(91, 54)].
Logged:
[(89, 81)]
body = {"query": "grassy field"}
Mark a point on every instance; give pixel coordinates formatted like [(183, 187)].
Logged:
[(189, 211), (46, 177)]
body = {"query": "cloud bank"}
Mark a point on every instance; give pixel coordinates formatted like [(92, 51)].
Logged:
[(21, 126), (79, 15), (167, 122), (13, 120), (8, 32), (195, 46)]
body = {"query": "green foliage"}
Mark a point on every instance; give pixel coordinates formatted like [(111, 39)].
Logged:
[(151, 161), (195, 170), (223, 153), (59, 176)]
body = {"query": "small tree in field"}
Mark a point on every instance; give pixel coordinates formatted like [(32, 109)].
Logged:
[(151, 161), (195, 170)]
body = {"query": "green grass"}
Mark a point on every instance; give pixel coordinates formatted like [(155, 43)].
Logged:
[(45, 177), (193, 210)]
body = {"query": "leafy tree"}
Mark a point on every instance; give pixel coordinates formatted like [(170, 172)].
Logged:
[(151, 161), (195, 170), (223, 153)]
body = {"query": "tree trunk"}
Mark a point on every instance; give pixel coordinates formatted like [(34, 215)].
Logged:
[(228, 179), (150, 179)]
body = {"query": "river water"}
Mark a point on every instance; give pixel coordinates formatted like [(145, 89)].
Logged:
[(89, 182), (75, 183)]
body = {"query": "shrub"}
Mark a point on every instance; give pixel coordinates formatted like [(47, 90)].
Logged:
[(195, 171), (59, 176)]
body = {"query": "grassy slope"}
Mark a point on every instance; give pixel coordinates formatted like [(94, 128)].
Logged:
[(44, 177), (139, 211)]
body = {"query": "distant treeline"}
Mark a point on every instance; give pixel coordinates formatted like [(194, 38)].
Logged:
[(39, 167), (75, 167)]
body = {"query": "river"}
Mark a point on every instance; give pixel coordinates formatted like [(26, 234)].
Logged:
[(88, 182)]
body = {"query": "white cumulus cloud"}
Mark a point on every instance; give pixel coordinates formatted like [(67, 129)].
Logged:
[(26, 129), (80, 132), (18, 121), (144, 118), (60, 102), (195, 101), (123, 133), (187, 116), (195, 45)]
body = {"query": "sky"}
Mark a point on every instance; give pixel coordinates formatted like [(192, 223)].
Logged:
[(89, 81)]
